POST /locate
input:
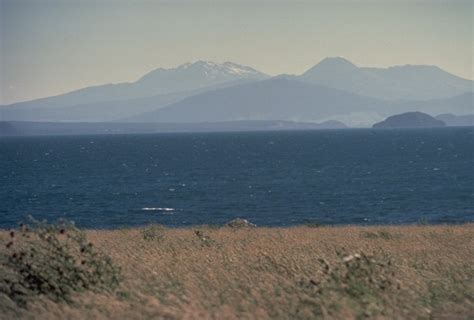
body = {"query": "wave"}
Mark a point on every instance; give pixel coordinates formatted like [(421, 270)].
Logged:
[(164, 210)]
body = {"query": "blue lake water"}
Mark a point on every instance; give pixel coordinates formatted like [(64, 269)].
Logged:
[(359, 176)]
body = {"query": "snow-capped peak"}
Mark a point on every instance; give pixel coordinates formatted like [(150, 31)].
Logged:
[(239, 69), (227, 68), (206, 70)]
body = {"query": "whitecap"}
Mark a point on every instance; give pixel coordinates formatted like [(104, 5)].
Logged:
[(164, 210)]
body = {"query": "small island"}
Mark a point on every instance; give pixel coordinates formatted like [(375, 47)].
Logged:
[(410, 120)]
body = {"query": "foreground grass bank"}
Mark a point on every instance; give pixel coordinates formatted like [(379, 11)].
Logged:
[(401, 272)]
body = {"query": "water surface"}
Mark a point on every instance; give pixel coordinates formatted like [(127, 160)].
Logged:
[(272, 178)]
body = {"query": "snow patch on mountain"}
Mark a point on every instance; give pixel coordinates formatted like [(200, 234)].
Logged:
[(213, 69)]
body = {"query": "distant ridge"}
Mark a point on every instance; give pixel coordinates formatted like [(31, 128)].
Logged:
[(457, 121), (410, 120), (408, 82), (334, 64), (285, 98), (186, 77), (21, 128), (272, 99)]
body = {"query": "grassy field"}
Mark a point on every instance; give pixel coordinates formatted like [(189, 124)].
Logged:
[(399, 272)]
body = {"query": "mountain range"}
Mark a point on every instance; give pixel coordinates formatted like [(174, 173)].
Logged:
[(271, 99), (408, 82), (334, 89), (294, 100)]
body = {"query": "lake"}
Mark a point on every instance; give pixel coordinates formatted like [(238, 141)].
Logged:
[(333, 177)]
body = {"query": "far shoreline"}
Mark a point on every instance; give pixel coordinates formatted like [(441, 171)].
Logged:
[(275, 227)]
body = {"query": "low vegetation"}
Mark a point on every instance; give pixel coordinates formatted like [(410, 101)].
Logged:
[(54, 261), (154, 232), (405, 272), (381, 234)]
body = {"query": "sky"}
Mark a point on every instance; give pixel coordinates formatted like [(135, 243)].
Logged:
[(49, 47)]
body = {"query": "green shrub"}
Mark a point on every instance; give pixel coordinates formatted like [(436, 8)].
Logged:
[(53, 260)]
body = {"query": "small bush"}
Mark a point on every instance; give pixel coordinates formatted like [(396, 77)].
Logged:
[(204, 239), (313, 224), (423, 221), (385, 235), (53, 260), (240, 223), (359, 280), (153, 232)]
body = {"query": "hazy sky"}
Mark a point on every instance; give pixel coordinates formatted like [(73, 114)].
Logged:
[(50, 47)]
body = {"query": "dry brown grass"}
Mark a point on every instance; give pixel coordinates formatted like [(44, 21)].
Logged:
[(279, 273)]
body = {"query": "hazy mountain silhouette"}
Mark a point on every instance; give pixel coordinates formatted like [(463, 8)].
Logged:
[(186, 77), (8, 129), (456, 121), (104, 110), (92, 112), (272, 99), (192, 76), (282, 98), (410, 120), (334, 89), (461, 104), (409, 82)]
